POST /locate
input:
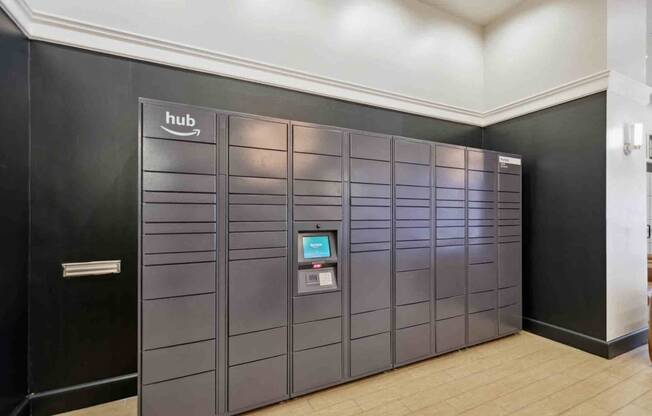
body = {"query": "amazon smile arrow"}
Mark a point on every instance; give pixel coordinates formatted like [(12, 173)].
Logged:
[(194, 132)]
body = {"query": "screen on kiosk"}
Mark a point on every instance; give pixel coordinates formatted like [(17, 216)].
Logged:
[(316, 247)]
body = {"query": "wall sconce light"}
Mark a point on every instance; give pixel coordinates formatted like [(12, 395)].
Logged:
[(633, 137)]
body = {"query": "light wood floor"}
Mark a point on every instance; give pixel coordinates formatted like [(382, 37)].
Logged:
[(520, 375)]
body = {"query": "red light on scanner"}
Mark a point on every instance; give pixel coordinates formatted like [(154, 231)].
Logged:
[(316, 266)]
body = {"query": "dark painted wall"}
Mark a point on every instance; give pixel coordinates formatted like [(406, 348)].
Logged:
[(84, 194), (564, 203), (14, 147)]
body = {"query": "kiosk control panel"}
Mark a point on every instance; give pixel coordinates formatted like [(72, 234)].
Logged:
[(317, 261)]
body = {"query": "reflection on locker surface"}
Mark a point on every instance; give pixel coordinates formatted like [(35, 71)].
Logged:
[(279, 257)]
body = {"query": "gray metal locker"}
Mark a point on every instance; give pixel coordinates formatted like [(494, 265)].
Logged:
[(370, 279), (177, 284), (482, 301), (450, 259), (257, 262), (413, 250), (510, 248), (425, 256), (318, 328)]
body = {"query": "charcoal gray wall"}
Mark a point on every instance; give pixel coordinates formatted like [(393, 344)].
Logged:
[(564, 202), (84, 199), (14, 141)]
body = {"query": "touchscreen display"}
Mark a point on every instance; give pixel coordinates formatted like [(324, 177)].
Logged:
[(316, 247)]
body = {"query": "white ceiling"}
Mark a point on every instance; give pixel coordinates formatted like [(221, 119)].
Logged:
[(480, 12)]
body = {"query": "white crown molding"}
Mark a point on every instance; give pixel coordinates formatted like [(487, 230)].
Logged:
[(58, 29), (62, 30), (561, 94)]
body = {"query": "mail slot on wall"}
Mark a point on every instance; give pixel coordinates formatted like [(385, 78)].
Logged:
[(317, 261), (91, 268)]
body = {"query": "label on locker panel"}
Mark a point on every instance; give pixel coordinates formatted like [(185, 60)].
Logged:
[(178, 122)]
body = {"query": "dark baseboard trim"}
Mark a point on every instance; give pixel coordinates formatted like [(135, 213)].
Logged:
[(587, 343), (83, 395), (627, 342), (115, 388), (22, 409)]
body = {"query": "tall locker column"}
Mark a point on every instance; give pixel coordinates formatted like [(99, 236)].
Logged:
[(481, 238), (178, 261), (370, 253), (450, 250), (509, 244), (257, 262), (413, 249), (317, 187)]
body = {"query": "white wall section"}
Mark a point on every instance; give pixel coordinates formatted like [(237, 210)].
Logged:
[(541, 44), (404, 55), (389, 53), (628, 101), (626, 219), (627, 37)]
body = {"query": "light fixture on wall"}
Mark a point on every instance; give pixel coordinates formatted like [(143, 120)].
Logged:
[(633, 137)]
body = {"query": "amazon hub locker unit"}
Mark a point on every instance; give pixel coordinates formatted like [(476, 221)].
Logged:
[(279, 257)]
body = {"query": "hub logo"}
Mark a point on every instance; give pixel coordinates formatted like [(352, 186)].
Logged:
[(180, 121)]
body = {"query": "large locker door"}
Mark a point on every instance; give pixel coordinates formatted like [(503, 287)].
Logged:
[(481, 237), (413, 255), (178, 261), (257, 262), (370, 253), (317, 330), (450, 247), (509, 244)]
